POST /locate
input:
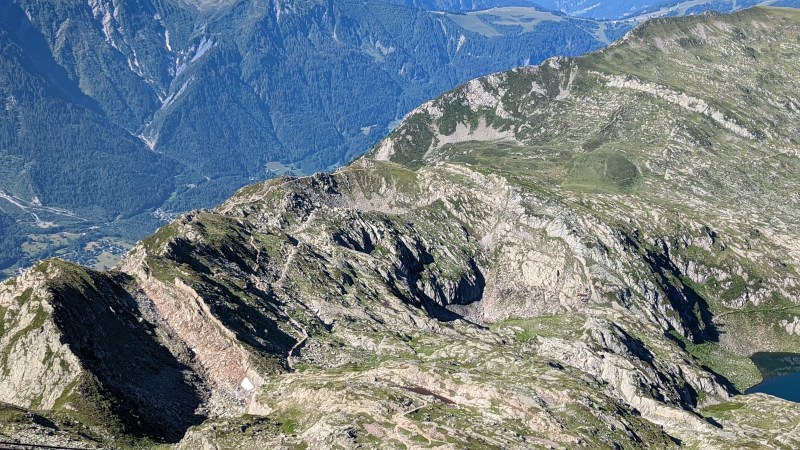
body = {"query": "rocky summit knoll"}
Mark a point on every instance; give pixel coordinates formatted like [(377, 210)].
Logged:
[(582, 254)]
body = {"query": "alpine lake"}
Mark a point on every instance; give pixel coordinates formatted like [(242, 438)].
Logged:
[(781, 372)]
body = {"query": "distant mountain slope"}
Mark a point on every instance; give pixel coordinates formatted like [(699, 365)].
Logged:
[(318, 84), (59, 144), (465, 5), (124, 108), (584, 254), (642, 9)]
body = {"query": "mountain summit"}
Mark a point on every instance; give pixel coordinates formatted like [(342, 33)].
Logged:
[(579, 254)]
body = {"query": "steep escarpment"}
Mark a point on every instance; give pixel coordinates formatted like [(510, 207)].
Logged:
[(82, 343), (581, 254)]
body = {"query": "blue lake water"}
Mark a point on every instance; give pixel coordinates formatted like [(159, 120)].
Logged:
[(781, 372), (783, 386)]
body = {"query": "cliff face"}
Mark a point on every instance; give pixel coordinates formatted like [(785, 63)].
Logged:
[(581, 254), (78, 342)]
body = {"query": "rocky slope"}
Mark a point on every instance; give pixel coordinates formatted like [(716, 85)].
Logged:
[(577, 255)]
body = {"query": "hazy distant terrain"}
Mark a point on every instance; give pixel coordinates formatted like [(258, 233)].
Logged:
[(637, 9), (110, 113)]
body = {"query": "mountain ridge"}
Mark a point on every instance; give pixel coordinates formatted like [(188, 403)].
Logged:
[(215, 99), (496, 273)]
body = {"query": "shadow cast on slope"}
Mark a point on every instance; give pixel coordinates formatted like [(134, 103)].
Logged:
[(250, 314), (139, 383), (693, 310), (37, 57), (429, 289)]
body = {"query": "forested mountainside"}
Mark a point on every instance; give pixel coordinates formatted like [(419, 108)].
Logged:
[(582, 254), (466, 5), (114, 109)]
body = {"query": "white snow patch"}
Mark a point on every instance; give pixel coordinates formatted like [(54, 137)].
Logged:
[(247, 385)]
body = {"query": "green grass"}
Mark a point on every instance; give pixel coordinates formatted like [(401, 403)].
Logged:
[(289, 427), (66, 395), (737, 369), (11, 415), (735, 290), (602, 171), (456, 113), (3, 311), (564, 326), (67, 273), (384, 173), (157, 240), (722, 408), (416, 128)]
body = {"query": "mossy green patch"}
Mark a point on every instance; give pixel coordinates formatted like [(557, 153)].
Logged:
[(2, 319), (155, 243), (738, 369), (602, 171), (564, 326), (722, 408)]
